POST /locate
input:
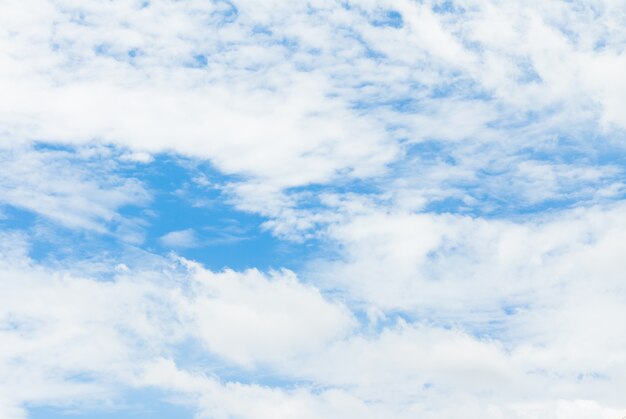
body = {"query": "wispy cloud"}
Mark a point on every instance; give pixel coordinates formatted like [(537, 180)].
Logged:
[(182, 238), (450, 172), (79, 189)]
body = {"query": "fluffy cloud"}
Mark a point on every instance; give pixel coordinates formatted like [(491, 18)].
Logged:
[(92, 335), (404, 260), (127, 331), (459, 166), (248, 318), (294, 96)]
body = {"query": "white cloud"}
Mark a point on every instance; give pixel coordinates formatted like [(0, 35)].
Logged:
[(104, 330), (77, 189), (277, 105), (499, 106), (293, 94), (444, 262), (556, 343), (180, 239), (280, 125)]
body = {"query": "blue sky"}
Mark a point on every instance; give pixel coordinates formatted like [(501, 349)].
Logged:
[(323, 209)]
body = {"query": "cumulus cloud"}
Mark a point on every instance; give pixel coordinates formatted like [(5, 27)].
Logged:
[(454, 171), (246, 317), (540, 353), (420, 260), (105, 331), (291, 97)]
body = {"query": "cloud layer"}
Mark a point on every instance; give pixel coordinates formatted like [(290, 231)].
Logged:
[(447, 176)]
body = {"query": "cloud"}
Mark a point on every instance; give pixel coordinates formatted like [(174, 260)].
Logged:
[(79, 189), (102, 330), (309, 134), (246, 318), (442, 261), (453, 170), (325, 94), (305, 100), (182, 239), (128, 332)]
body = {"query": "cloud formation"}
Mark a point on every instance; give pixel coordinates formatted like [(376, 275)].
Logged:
[(447, 178)]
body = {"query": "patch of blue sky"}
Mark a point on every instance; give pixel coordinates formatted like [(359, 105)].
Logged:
[(397, 104), (498, 190), (461, 87), (13, 218), (78, 18), (290, 44), (521, 119), (102, 49), (372, 323), (389, 18), (512, 309), (225, 11), (428, 150), (347, 5), (561, 150), (513, 205), (134, 404), (447, 7), (528, 73), (200, 60), (342, 184), (600, 45), (44, 146), (85, 251), (185, 195), (367, 49), (584, 149), (612, 156), (261, 29), (373, 54), (571, 35), (197, 61), (224, 236), (451, 205), (411, 102), (486, 326), (522, 209), (126, 56), (593, 148), (509, 202), (480, 322), (418, 98), (407, 104), (192, 355), (43, 246)]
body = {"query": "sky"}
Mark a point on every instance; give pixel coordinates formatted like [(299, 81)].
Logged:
[(323, 209)]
